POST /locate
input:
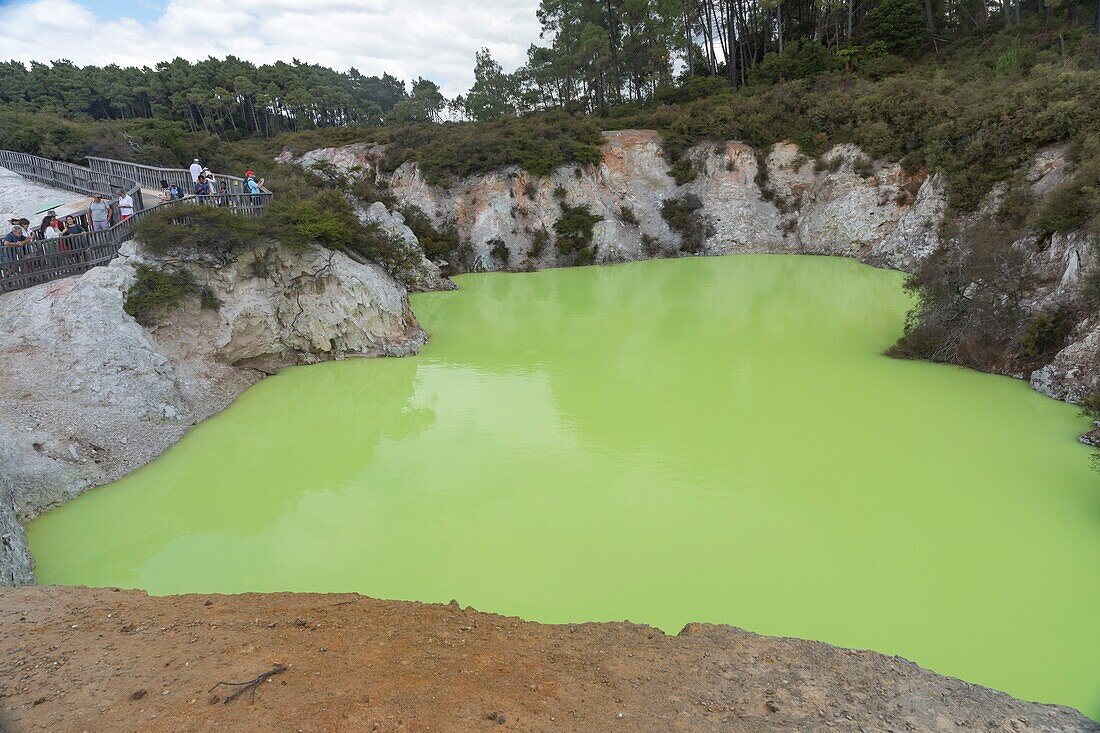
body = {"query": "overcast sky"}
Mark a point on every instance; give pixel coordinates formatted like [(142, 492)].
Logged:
[(436, 39)]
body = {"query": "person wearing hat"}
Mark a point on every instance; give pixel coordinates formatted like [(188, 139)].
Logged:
[(253, 187), (195, 169), (101, 213)]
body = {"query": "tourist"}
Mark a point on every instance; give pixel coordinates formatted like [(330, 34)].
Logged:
[(165, 192), (202, 186), (17, 236), (254, 188), (223, 194), (101, 213), (195, 169), (48, 228), (125, 205), (72, 226), (13, 244)]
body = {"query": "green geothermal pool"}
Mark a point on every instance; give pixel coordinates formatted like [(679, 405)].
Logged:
[(711, 439)]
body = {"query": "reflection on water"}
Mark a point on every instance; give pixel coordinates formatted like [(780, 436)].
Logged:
[(703, 439)]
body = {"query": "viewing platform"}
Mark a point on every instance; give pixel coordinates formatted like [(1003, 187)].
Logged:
[(45, 260)]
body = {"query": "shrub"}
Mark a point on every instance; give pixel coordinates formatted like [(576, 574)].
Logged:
[(799, 60), (968, 295), (1045, 335), (863, 167), (627, 215), (684, 216), (1065, 210), (683, 171), (536, 143), (829, 164), (499, 250), (327, 219), (574, 230), (539, 239), (185, 227), (438, 244), (155, 291), (651, 246)]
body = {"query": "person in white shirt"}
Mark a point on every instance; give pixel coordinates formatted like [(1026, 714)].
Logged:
[(125, 206), (47, 230), (196, 169)]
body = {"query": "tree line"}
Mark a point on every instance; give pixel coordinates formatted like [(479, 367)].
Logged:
[(597, 55), (603, 53), (224, 97)]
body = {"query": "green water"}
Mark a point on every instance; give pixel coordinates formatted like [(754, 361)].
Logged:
[(703, 439)]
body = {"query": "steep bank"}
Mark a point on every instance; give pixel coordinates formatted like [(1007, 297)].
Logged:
[(737, 200), (112, 660), (87, 395)]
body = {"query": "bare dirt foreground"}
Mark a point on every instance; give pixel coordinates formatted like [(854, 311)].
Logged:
[(98, 660)]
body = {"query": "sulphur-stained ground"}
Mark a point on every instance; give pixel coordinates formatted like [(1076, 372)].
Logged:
[(99, 660)]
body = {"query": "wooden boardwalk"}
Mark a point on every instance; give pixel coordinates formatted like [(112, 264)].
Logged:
[(50, 259)]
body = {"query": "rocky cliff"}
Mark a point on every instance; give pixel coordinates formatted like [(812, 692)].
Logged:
[(88, 395), (740, 200)]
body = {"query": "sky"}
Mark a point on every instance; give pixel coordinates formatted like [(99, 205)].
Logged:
[(435, 39)]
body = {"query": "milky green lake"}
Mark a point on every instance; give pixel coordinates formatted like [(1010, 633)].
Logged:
[(707, 439)]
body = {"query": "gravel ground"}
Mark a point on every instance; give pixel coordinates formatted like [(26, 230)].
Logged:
[(79, 659)]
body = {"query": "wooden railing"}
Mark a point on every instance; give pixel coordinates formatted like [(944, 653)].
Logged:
[(50, 259)]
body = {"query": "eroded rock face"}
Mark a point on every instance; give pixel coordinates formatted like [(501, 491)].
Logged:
[(88, 395), (886, 217), (751, 201)]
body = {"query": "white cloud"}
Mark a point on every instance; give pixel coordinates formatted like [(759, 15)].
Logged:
[(407, 38)]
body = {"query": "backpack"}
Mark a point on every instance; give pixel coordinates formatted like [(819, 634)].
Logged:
[(174, 191)]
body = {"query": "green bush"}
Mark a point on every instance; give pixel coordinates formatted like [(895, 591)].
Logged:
[(186, 227), (329, 220), (539, 239), (1045, 335), (574, 230), (683, 171), (155, 291), (499, 250), (438, 244), (627, 215), (536, 143), (863, 167), (799, 60), (1067, 209), (684, 216)]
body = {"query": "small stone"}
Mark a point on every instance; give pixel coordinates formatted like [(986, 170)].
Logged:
[(138, 694), (771, 706)]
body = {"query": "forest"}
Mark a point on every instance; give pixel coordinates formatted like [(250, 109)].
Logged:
[(597, 55)]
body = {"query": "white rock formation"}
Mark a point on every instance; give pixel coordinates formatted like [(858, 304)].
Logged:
[(848, 205)]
